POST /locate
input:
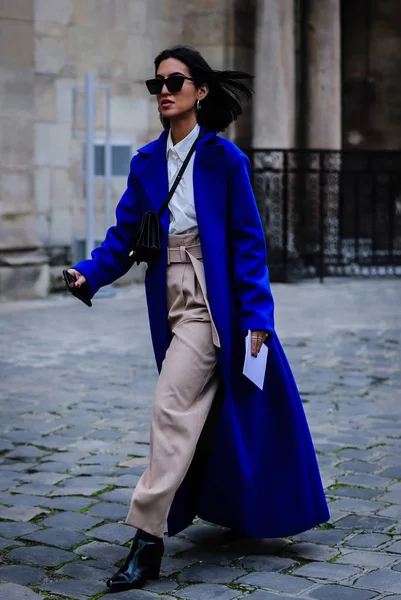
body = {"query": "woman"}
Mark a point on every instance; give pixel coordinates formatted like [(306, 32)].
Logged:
[(220, 447)]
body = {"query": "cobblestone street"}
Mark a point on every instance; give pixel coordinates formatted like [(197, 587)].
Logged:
[(76, 388)]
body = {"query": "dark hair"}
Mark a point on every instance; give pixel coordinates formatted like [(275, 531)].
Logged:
[(222, 105)]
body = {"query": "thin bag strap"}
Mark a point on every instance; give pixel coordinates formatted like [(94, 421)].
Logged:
[(179, 176)]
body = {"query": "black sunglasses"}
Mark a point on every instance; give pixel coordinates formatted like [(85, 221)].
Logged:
[(173, 83)]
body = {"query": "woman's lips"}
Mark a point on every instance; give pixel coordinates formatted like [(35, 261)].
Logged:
[(166, 103)]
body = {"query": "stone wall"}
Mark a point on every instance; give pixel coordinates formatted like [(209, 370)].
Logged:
[(23, 269), (116, 40)]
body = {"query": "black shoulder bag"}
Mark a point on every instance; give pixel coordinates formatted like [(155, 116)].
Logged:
[(147, 246)]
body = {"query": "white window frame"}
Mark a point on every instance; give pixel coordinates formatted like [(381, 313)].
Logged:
[(102, 143)]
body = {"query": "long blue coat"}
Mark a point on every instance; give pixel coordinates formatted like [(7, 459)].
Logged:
[(261, 475)]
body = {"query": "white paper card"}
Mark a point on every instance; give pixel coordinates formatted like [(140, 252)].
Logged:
[(255, 368)]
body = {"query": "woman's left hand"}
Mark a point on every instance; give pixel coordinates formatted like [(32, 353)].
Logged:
[(257, 339)]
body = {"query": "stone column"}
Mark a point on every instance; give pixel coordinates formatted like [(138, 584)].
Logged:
[(274, 128), (323, 88), (23, 267), (323, 127), (274, 104)]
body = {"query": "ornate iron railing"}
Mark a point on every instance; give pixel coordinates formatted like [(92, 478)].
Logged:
[(329, 212)]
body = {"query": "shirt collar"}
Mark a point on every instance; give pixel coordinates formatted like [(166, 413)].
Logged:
[(183, 147)]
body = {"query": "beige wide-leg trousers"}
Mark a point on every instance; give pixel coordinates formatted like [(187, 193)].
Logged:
[(185, 390)]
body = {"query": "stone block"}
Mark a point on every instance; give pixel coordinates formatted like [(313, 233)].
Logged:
[(273, 564), (42, 183), (276, 582), (41, 555), (365, 523), (165, 33), (98, 14), (205, 29), (12, 591), (52, 144), (216, 56), (54, 536), (311, 551), (381, 581), (109, 511), (17, 9), (340, 592), (131, 16), (396, 547), (367, 559), (71, 520), (45, 99), (329, 571), (42, 228), (17, 44), (370, 481), (18, 283), (20, 513), (208, 591), (368, 540), (56, 11), (16, 143), (16, 193), (139, 57), (16, 93), (262, 595), (354, 505), (359, 466), (393, 472), (354, 492), (392, 511), (115, 533), (73, 589), (210, 574), (129, 115), (169, 8), (69, 503), (79, 570), (64, 96), (329, 537), (83, 49), (21, 575), (15, 530), (107, 553), (50, 55)]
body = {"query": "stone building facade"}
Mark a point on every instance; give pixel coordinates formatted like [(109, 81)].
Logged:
[(47, 47)]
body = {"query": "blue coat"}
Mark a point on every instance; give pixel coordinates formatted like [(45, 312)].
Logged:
[(261, 475)]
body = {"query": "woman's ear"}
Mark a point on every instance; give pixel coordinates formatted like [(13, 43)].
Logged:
[(203, 91)]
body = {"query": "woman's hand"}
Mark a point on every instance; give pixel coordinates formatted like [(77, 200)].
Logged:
[(79, 278), (257, 339)]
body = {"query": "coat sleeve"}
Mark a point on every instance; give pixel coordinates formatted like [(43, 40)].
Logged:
[(110, 260), (248, 251)]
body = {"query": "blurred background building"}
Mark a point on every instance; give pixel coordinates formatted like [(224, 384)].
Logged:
[(327, 77)]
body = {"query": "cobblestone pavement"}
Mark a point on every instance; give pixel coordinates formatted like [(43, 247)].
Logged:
[(76, 386)]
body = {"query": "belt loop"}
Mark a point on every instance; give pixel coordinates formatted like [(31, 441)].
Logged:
[(183, 254), (168, 256)]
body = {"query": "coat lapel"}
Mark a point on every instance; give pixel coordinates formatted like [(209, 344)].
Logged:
[(210, 187), (152, 171)]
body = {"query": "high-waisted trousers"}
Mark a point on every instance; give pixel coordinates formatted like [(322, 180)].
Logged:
[(185, 390)]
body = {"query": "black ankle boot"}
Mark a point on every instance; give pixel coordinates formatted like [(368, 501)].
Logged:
[(142, 563)]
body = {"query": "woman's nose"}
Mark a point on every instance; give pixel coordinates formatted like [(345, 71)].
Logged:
[(164, 89)]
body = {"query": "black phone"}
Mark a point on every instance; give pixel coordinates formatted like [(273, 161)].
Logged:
[(81, 293)]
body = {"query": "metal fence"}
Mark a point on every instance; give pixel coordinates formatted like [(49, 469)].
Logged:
[(329, 213)]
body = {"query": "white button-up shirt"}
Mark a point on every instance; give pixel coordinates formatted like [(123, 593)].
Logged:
[(182, 204)]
